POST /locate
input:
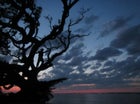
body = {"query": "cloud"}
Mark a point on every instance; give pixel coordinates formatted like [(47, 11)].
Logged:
[(115, 24), (71, 63), (106, 53), (88, 24), (91, 19), (116, 73), (83, 85), (84, 29), (102, 69), (129, 40)]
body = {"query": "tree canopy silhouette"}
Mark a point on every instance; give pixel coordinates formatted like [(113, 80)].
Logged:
[(30, 53)]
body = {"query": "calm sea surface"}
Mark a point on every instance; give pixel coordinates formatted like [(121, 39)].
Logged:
[(96, 99)]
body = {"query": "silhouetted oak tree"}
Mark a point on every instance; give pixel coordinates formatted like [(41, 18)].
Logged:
[(31, 53)]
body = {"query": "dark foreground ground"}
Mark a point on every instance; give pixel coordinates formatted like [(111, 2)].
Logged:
[(14, 99)]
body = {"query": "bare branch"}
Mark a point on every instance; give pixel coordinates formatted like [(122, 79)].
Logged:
[(50, 21)]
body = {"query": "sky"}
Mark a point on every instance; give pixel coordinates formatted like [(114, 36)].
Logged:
[(105, 60)]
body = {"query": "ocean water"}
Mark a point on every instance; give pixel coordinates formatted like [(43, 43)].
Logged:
[(96, 99)]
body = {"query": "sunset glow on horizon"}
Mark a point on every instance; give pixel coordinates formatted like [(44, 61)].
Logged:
[(113, 90), (91, 88)]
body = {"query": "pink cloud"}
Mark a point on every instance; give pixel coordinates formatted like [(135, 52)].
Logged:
[(14, 89)]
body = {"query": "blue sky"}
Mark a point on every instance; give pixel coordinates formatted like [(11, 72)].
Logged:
[(109, 57)]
